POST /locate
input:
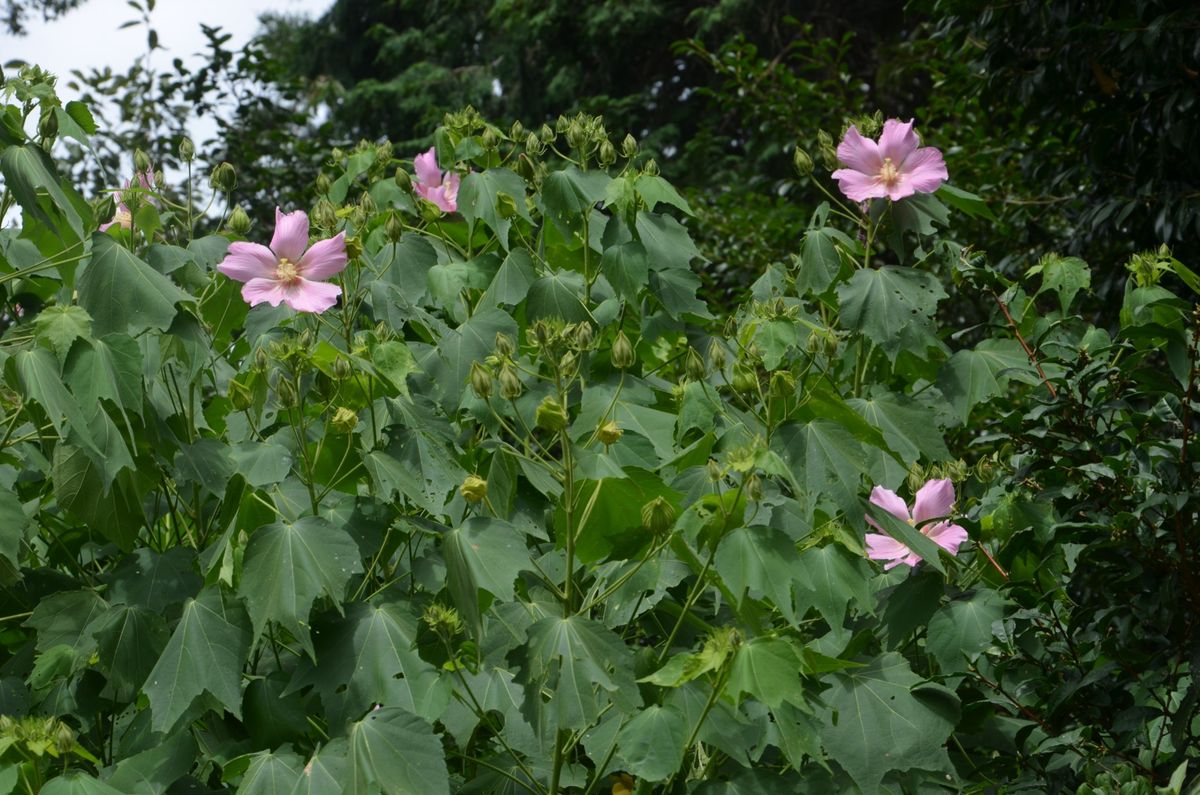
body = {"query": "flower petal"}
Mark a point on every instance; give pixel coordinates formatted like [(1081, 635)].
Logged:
[(935, 499), (426, 166), (898, 141), (883, 547), (324, 259), (925, 170), (438, 196), (291, 235), (257, 291), (307, 296), (860, 154), (246, 261), (857, 186), (452, 183), (889, 501), (948, 536)]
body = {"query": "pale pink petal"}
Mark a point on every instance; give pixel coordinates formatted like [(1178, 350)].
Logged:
[(256, 291), (291, 235), (925, 170), (860, 154), (146, 179), (912, 560), (426, 166), (935, 499), (884, 547), (452, 183), (889, 501), (246, 261), (438, 196), (324, 259), (307, 296), (898, 141), (859, 187), (948, 536)]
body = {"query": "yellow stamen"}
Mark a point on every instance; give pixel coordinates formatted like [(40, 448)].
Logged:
[(889, 175), (286, 271)]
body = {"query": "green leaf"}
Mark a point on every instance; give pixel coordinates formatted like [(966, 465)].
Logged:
[(206, 463), (261, 463), (667, 242), (38, 372), (965, 201), (459, 348), (908, 535), (879, 721), (122, 293), (479, 198), (271, 774), (570, 195), (63, 619), (627, 268), (59, 326), (575, 658), (109, 368), (676, 289), (28, 171), (153, 771), (512, 281), (891, 305), (325, 771), (825, 460), (288, 565), (395, 362), (759, 561), (270, 717), (655, 190), (910, 429), (767, 669), (819, 262), (129, 639), (911, 604), (830, 578), (369, 657), (205, 654), (614, 522), (962, 629), (76, 783), (558, 295), (972, 376), (13, 524), (397, 752), (483, 553), (84, 489), (1065, 277), (652, 743)]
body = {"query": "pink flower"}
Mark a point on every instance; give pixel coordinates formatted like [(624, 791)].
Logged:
[(935, 499), (123, 217), (896, 167), (433, 185), (287, 272)]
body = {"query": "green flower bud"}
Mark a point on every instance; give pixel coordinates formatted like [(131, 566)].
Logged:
[(783, 384), (744, 381), (141, 161), (510, 383), (567, 364), (754, 490), (187, 150), (160, 181), (324, 215), (240, 396), (239, 222), (623, 356), (802, 162), (393, 228), (285, 394), (526, 168), (609, 433), (48, 125), (717, 355), (322, 184), (488, 140), (64, 738), (516, 131), (444, 621), (481, 381), (341, 369), (584, 336), (550, 415), (260, 360), (383, 153), (629, 146), (549, 133), (367, 204), (354, 248), (541, 333), (693, 365), (506, 206), (607, 154), (828, 150), (658, 516), (714, 471), (403, 180), (504, 344), (428, 210), (534, 145), (305, 340), (473, 489), (223, 179), (345, 420), (651, 168)]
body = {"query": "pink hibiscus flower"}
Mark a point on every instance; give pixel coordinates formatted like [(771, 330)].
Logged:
[(123, 217), (895, 167), (433, 185), (290, 271), (935, 499)]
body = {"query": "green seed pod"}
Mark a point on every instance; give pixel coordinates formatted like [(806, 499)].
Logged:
[(239, 222), (444, 621), (658, 516), (223, 179), (550, 415), (510, 383), (744, 380), (345, 420), (693, 366), (623, 356), (803, 162), (783, 384), (481, 381), (473, 488), (403, 180), (504, 344), (609, 433)]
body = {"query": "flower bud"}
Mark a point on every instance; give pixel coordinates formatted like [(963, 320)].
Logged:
[(567, 364), (354, 248), (714, 470), (345, 420), (223, 178), (403, 180), (658, 516), (106, 208), (141, 161), (550, 415), (783, 384), (473, 489), (305, 340), (393, 228), (629, 146), (324, 215), (651, 168), (693, 365), (443, 620), (510, 383), (584, 336), (239, 222), (607, 154), (48, 125), (160, 181), (744, 381), (541, 333), (367, 204), (534, 145), (285, 394), (622, 352), (609, 433), (549, 134), (504, 344), (64, 738), (488, 140), (240, 396), (341, 369), (506, 206), (717, 355), (754, 490), (260, 360), (516, 131), (322, 184), (481, 381), (828, 151), (428, 210), (525, 168), (383, 153), (802, 162)]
